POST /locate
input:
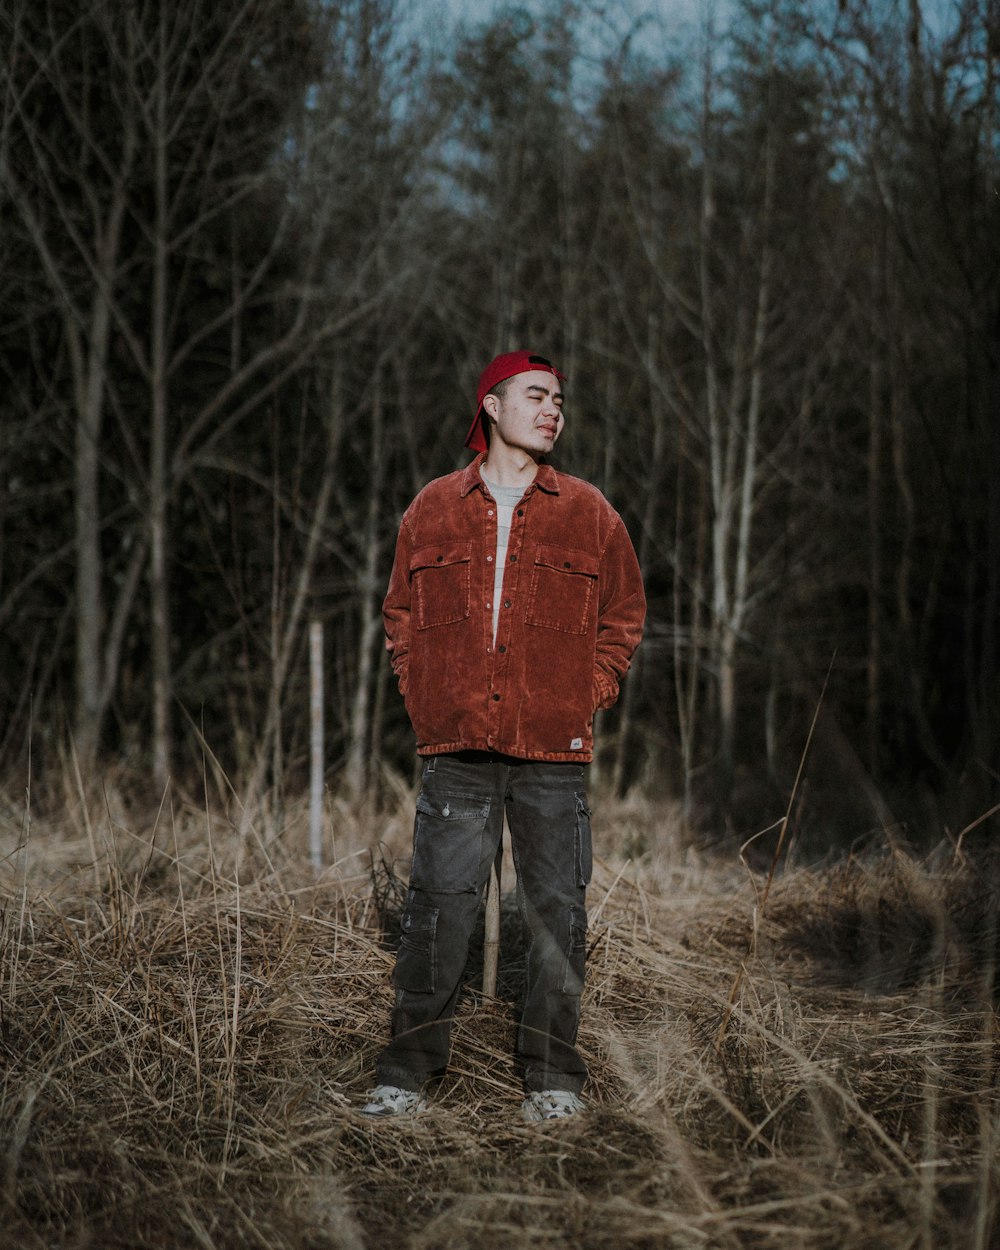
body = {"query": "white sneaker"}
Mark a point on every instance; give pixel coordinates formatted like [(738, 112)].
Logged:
[(550, 1104), (386, 1100)]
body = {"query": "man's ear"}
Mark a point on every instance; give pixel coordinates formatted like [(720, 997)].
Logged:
[(491, 405)]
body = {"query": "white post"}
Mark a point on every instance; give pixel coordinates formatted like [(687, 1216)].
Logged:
[(316, 743), (491, 937)]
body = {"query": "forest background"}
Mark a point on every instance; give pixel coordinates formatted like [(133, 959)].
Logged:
[(256, 253)]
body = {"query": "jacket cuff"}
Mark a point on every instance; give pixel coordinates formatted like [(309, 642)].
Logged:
[(605, 690)]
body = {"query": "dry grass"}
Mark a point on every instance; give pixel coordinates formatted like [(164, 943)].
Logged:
[(188, 1017)]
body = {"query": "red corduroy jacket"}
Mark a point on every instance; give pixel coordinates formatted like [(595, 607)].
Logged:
[(571, 615)]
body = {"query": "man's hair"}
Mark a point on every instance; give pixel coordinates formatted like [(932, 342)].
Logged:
[(498, 389)]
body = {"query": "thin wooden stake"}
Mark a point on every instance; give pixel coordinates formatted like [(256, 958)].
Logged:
[(316, 744), (491, 940)]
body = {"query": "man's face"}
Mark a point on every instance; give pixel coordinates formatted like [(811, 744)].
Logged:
[(529, 416)]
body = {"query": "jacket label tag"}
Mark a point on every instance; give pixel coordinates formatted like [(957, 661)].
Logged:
[(576, 744)]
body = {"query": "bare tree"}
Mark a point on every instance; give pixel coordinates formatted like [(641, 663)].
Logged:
[(76, 230), (164, 130), (920, 102)]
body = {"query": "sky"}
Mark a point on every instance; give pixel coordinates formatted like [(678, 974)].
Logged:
[(657, 23)]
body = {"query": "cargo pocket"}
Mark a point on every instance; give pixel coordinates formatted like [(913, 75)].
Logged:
[(448, 842), (416, 961), (576, 950)]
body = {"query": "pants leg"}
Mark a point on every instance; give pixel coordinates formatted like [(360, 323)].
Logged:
[(551, 840), (457, 830)]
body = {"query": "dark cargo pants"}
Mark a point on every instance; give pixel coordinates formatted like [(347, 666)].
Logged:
[(457, 833)]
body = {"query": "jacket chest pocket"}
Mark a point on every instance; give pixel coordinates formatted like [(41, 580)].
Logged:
[(562, 590), (441, 582)]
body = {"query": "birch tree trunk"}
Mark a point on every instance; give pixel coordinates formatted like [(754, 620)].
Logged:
[(733, 431)]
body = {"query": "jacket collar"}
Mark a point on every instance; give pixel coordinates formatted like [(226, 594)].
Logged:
[(546, 478)]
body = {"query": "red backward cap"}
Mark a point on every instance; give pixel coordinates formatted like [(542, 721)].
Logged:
[(498, 370)]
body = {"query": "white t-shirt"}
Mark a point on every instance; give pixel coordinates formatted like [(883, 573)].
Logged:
[(507, 498)]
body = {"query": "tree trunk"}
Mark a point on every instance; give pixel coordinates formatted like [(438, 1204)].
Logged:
[(94, 686), (158, 487), (89, 569), (369, 614), (873, 674), (648, 528), (286, 632), (734, 450)]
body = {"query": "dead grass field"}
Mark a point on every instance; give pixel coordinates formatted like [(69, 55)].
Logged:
[(189, 1017)]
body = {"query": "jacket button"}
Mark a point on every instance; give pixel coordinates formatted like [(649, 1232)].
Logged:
[(513, 559), (520, 512), (489, 559), (496, 698), (501, 648), (567, 565)]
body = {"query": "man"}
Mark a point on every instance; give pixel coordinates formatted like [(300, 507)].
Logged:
[(513, 609)]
